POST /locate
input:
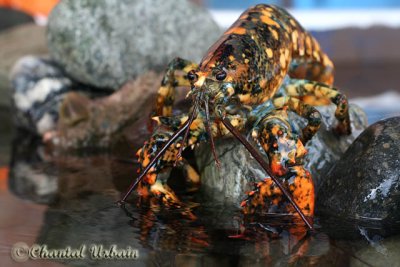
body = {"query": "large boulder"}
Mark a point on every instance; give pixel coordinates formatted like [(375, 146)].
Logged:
[(105, 42), (365, 184)]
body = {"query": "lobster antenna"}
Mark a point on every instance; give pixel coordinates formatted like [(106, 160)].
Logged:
[(208, 129), (261, 161), (185, 137), (159, 154)]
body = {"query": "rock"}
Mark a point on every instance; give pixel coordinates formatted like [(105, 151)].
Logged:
[(239, 170), (105, 43), (38, 87), (97, 123), (365, 184), (71, 115)]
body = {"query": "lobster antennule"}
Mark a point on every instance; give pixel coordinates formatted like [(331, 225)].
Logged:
[(159, 154), (262, 163)]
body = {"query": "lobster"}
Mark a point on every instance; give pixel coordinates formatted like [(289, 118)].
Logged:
[(265, 51)]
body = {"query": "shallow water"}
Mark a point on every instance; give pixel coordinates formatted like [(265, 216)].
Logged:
[(68, 199)]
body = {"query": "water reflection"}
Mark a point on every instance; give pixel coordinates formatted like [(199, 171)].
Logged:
[(81, 190), (31, 172)]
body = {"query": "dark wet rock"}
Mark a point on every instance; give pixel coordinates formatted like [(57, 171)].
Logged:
[(105, 43), (239, 170), (38, 87), (365, 184)]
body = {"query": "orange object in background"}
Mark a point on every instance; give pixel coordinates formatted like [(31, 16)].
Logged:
[(3, 178), (31, 7)]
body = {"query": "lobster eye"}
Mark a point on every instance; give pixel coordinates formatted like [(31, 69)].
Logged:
[(192, 76), (220, 75)]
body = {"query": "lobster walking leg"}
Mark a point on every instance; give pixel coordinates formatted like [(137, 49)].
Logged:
[(298, 88), (175, 76), (304, 110)]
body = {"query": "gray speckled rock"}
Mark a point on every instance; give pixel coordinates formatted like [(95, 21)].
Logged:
[(239, 170), (365, 184), (38, 88), (106, 42)]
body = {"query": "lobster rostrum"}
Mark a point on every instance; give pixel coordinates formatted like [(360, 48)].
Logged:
[(239, 76)]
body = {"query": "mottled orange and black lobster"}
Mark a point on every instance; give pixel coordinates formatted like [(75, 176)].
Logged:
[(264, 51)]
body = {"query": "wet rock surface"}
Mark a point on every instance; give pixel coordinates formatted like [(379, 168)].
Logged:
[(105, 43), (365, 184), (239, 171), (38, 88)]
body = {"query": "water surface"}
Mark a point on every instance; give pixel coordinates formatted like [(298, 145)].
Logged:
[(65, 199)]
